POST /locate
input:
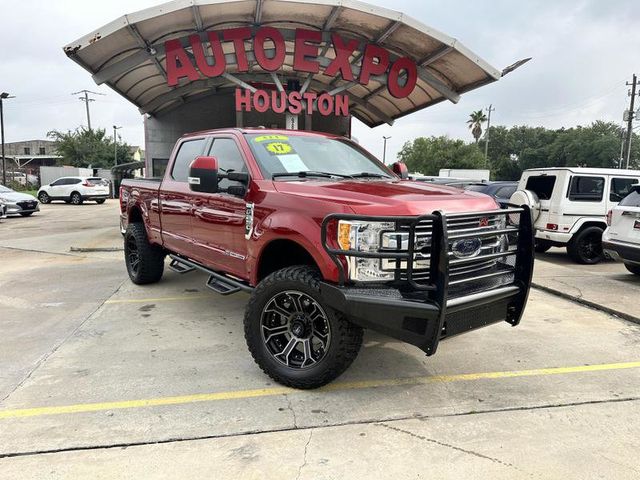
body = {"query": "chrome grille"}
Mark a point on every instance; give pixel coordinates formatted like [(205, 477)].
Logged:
[(491, 232)]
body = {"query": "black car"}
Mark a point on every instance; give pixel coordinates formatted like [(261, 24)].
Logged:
[(501, 191)]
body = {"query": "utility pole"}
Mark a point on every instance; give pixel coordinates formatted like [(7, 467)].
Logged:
[(115, 146), (384, 150), (633, 85), (486, 135), (85, 98), (3, 96)]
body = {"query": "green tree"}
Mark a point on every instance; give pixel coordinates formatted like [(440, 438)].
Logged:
[(428, 155), (88, 148), (475, 122)]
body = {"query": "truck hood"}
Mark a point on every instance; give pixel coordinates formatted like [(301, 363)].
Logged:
[(388, 197)]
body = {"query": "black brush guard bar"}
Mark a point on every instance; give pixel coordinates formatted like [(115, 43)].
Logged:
[(423, 314)]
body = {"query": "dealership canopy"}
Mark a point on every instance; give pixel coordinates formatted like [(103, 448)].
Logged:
[(384, 63)]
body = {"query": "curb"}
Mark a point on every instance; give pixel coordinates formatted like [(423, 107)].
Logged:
[(587, 303)]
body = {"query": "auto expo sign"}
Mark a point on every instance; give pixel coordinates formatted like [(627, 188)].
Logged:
[(269, 51)]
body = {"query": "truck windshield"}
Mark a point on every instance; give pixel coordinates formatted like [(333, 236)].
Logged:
[(309, 156)]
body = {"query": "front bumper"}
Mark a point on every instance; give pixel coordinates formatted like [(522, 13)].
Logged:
[(424, 312), (22, 207), (423, 323), (622, 251)]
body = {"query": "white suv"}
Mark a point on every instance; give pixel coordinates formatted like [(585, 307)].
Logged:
[(569, 206), (75, 190), (621, 240)]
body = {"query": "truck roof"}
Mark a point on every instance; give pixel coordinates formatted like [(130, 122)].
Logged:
[(265, 131), (588, 171)]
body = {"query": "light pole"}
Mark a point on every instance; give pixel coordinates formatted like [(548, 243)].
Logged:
[(115, 146), (3, 96), (384, 151)]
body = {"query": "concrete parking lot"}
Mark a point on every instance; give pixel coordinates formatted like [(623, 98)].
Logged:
[(101, 378)]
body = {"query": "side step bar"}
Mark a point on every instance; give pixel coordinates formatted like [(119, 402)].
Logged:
[(218, 282), (179, 267)]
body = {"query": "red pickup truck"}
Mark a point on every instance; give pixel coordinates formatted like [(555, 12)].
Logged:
[(327, 240)]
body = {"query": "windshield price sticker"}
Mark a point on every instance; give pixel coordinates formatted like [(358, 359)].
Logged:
[(264, 138), (279, 148)]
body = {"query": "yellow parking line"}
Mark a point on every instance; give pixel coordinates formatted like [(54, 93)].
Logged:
[(159, 299), (267, 392)]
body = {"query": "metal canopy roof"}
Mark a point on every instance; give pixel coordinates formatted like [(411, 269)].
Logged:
[(128, 53)]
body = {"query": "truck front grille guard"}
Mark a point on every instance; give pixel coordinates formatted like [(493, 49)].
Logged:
[(435, 270)]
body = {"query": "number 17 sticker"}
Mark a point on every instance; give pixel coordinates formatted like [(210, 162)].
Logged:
[(279, 148)]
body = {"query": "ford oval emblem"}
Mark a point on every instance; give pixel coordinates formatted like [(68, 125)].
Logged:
[(467, 247)]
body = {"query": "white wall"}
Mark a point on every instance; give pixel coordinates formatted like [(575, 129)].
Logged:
[(49, 174)]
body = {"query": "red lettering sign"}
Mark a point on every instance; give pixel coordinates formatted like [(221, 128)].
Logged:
[(292, 102), (409, 67), (274, 63), (269, 50)]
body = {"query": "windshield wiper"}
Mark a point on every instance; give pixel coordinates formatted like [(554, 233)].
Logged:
[(368, 175), (308, 173)]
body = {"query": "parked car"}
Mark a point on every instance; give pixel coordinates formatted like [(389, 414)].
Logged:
[(621, 239), (447, 181), (570, 206), (18, 203), (501, 191), (75, 190), (327, 240)]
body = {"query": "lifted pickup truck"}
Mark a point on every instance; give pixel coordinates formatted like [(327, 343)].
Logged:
[(327, 240)]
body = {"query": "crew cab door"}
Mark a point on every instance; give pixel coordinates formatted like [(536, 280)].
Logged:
[(219, 218), (175, 198)]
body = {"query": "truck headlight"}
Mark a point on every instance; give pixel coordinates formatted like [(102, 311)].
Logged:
[(364, 237)]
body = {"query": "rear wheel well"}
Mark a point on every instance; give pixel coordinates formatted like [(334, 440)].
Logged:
[(601, 225), (135, 215), (280, 254)]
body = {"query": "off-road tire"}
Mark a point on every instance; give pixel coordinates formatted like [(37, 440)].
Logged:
[(101, 201), (76, 198), (586, 246), (635, 269), (150, 264), (345, 337), (541, 246), (43, 197)]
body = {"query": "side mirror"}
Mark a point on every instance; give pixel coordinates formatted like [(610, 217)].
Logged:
[(203, 175), (400, 169)]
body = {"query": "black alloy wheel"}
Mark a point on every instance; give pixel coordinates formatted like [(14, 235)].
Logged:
[(295, 329), (293, 335), (586, 246)]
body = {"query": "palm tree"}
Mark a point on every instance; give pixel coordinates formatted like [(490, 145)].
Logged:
[(476, 119)]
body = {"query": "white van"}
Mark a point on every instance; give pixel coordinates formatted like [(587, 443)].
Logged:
[(569, 206)]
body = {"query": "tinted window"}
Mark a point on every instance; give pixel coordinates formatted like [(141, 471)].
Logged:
[(188, 152), (72, 181), (541, 185), (620, 188), (631, 200), (97, 181), (60, 181), (302, 153), (506, 192), (229, 158), (586, 189)]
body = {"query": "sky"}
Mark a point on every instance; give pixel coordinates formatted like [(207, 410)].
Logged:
[(584, 51)]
